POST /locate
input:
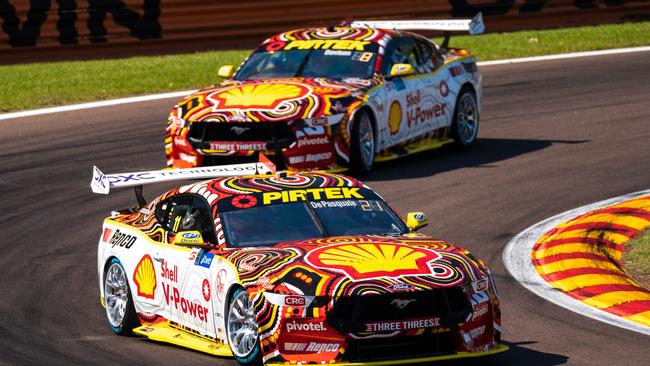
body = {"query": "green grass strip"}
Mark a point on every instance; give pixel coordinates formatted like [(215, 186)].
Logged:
[(637, 259), (38, 85)]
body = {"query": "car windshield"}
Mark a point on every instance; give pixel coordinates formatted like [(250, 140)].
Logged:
[(334, 64), (268, 225)]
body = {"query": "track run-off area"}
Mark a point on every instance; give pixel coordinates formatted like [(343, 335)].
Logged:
[(554, 135)]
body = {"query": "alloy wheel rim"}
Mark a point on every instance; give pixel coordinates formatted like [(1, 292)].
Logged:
[(467, 119), (115, 294), (242, 326), (366, 141)]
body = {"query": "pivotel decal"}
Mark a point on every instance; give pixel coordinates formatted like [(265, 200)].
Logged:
[(121, 239), (293, 326), (312, 194), (173, 298)]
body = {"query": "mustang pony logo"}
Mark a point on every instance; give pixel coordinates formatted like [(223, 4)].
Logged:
[(266, 96), (373, 260), (401, 304)]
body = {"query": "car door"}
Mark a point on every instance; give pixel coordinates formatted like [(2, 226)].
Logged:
[(397, 92), (184, 270), (429, 106)]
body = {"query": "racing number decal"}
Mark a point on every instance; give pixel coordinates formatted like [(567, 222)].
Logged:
[(189, 106)]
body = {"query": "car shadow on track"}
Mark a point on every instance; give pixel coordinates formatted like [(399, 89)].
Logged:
[(517, 355), (485, 152)]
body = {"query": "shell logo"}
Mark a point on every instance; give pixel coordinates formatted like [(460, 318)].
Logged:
[(259, 96), (145, 278), (394, 117), (373, 260)]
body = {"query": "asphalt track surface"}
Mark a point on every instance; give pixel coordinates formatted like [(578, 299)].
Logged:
[(554, 135)]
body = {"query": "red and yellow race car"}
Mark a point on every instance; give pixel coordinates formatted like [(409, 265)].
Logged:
[(334, 98), (292, 268)]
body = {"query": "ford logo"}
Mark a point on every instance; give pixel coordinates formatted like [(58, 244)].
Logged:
[(400, 287)]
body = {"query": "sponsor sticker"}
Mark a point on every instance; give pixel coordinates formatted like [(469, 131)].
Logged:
[(294, 326), (400, 325), (312, 194), (205, 260), (400, 287), (238, 146), (121, 239), (328, 44), (205, 290), (295, 300)]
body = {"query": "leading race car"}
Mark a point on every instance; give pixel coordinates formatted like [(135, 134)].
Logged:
[(289, 268), (334, 98)]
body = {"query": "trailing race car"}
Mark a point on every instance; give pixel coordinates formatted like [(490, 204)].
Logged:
[(334, 98), (289, 268)]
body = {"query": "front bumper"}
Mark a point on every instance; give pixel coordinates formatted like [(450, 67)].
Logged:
[(289, 147)]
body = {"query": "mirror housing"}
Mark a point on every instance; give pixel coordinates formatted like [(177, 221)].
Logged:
[(188, 238), (401, 70), (226, 71), (416, 220)]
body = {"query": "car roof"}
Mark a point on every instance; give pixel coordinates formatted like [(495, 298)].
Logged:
[(374, 35)]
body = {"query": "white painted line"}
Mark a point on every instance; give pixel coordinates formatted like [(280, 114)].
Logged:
[(566, 55), (144, 98), (103, 103), (516, 258)]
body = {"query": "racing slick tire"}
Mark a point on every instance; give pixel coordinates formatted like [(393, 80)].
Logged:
[(464, 127), (362, 144), (241, 329), (118, 301)]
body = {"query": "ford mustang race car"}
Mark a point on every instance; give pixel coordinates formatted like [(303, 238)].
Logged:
[(334, 98), (289, 268)]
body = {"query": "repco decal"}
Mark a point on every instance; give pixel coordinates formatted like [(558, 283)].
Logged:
[(121, 239)]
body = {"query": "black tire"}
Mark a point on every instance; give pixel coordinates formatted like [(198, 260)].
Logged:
[(121, 324), (465, 123), (362, 144), (252, 357)]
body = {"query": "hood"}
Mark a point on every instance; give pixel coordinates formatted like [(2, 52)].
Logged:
[(356, 265), (269, 100)]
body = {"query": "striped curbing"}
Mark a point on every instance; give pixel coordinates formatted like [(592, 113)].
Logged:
[(574, 260)]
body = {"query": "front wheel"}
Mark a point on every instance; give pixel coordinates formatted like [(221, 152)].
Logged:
[(241, 327), (362, 144), (120, 311), (464, 127)]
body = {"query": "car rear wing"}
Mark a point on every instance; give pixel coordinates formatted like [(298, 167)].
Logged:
[(102, 183), (473, 26)]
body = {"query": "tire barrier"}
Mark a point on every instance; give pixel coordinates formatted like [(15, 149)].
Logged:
[(582, 258), (47, 30)]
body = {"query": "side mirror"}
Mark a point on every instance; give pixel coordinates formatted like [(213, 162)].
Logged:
[(188, 238), (401, 70), (226, 71), (416, 220)]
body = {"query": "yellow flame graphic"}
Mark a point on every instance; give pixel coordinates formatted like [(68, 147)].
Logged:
[(145, 277), (260, 95), (365, 258)]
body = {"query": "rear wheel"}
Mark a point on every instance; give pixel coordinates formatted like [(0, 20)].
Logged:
[(120, 311), (241, 327), (464, 127), (362, 144)]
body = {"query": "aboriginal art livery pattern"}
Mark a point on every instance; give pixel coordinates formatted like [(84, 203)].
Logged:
[(307, 123), (188, 288)]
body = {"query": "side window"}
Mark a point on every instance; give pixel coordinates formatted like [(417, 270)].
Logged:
[(430, 58), (400, 51), (186, 212)]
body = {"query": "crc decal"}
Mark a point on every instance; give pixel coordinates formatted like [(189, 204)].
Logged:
[(312, 194), (121, 239), (295, 300), (394, 117), (374, 260), (145, 278), (262, 96)]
